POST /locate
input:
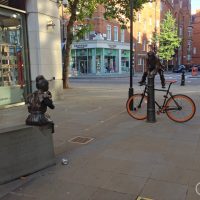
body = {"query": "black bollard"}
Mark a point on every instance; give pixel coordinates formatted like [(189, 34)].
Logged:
[(151, 115), (130, 94), (183, 78)]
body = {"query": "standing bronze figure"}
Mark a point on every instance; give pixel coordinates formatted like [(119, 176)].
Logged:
[(38, 102)]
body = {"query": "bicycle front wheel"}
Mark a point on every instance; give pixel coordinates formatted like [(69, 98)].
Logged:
[(180, 108), (137, 106)]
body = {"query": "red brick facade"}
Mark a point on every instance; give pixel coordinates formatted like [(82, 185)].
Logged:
[(196, 38), (146, 23), (183, 17), (149, 21)]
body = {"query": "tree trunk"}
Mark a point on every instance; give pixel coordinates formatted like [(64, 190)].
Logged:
[(69, 40)]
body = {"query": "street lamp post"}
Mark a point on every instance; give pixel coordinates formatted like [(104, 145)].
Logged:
[(63, 4), (131, 51)]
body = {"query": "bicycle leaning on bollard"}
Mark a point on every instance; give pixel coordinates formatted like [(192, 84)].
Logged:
[(179, 107)]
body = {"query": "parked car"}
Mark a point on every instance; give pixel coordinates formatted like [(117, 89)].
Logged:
[(179, 69)]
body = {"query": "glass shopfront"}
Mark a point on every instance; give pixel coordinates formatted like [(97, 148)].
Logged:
[(13, 63), (125, 60), (111, 58), (98, 61)]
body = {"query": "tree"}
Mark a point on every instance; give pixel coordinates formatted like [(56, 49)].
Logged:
[(79, 10), (168, 38)]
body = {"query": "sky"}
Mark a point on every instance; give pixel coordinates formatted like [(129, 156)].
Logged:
[(195, 5)]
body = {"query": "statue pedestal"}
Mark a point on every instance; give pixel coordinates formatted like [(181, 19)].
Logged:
[(25, 150)]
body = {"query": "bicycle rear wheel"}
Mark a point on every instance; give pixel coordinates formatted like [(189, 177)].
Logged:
[(180, 108), (139, 105)]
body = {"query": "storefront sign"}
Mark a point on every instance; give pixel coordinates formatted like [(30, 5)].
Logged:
[(112, 46), (80, 46)]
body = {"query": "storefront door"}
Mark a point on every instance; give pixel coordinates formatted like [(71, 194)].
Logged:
[(83, 66)]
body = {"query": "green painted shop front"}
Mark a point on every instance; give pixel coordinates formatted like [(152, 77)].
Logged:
[(99, 61)]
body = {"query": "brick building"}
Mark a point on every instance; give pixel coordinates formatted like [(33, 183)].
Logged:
[(182, 13), (195, 37), (103, 50), (106, 48), (147, 23)]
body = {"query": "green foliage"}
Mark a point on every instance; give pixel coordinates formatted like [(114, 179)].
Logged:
[(168, 38), (120, 9)]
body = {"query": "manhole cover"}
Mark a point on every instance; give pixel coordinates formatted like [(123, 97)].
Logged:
[(143, 198), (81, 140)]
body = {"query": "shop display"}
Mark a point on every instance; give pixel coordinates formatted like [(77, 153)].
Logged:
[(8, 65)]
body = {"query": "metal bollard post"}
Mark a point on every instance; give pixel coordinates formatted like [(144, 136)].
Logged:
[(183, 78), (151, 115)]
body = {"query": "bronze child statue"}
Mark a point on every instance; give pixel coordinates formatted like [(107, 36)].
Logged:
[(38, 102)]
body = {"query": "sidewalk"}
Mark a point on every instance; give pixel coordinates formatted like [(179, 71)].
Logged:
[(127, 158)]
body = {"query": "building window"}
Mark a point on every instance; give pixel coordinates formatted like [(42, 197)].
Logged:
[(145, 25), (115, 33), (139, 37), (180, 31), (108, 32), (139, 61), (122, 35), (139, 17), (181, 4), (134, 46), (157, 23), (87, 34), (144, 45), (150, 38), (194, 50), (189, 33), (150, 21)]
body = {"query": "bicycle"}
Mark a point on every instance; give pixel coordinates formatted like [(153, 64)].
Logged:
[(179, 107)]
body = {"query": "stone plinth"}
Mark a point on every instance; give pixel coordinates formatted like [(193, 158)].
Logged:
[(24, 150)]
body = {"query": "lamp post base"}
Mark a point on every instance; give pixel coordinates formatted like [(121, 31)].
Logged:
[(130, 94), (151, 115)]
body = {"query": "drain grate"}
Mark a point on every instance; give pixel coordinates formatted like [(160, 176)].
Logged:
[(81, 140), (143, 198)]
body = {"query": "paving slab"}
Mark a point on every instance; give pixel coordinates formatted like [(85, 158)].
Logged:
[(127, 157)]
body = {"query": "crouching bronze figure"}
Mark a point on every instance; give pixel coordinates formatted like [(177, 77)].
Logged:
[(38, 102)]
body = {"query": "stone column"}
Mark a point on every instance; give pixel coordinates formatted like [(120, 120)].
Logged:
[(119, 60), (45, 43)]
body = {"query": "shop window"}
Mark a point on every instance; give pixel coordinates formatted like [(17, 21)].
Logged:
[(13, 66), (125, 59)]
